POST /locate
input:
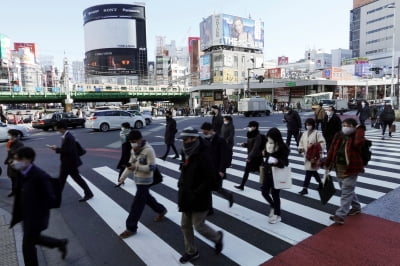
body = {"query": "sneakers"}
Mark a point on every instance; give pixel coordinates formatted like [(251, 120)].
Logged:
[(189, 257), (354, 212), (160, 216), (126, 234), (219, 245), (274, 219), (337, 219), (304, 191), (271, 213)]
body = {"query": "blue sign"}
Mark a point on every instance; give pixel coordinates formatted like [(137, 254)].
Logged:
[(39, 89), (327, 73), (55, 89), (97, 89), (16, 88)]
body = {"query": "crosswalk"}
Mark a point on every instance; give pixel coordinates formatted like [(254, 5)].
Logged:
[(248, 237)]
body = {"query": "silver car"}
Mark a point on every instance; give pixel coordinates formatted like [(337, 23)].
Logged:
[(105, 120)]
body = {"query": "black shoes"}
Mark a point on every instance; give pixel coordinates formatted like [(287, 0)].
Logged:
[(176, 157), (10, 195), (304, 191), (189, 257), (63, 248), (86, 198), (230, 199), (240, 187), (210, 212), (219, 245)]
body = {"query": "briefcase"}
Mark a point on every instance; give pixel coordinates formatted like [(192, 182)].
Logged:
[(327, 190)]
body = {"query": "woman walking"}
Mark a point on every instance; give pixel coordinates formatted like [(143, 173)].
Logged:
[(312, 153), (387, 118), (277, 154)]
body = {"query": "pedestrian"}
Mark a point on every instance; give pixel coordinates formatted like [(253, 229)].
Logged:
[(169, 135), (70, 160), (13, 144), (125, 149), (254, 152), (387, 118), (293, 124), (277, 155), (3, 118), (374, 113), (32, 201), (142, 164), (220, 154), (331, 125), (345, 156), (311, 161), (363, 113), (228, 134), (217, 120), (298, 105), (319, 115), (194, 193)]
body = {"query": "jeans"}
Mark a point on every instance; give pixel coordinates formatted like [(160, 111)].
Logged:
[(348, 197), (29, 250), (309, 174), (74, 173), (142, 197), (196, 220), (267, 189)]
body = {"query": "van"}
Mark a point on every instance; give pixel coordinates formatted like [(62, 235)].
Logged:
[(112, 119)]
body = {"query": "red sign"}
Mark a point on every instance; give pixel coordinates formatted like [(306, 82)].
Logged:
[(32, 46), (283, 60), (273, 73), (191, 41)]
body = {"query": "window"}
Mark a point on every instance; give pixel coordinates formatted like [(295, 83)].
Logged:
[(124, 113)]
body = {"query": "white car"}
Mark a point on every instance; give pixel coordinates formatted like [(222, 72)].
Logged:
[(112, 119), (147, 117), (24, 131)]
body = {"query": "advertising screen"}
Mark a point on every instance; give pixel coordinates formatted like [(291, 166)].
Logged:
[(242, 32), (32, 47), (283, 60), (205, 64), (112, 62), (110, 33), (206, 37)]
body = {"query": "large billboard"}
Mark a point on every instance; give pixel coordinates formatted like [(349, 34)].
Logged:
[(32, 47), (205, 67), (115, 39), (206, 33)]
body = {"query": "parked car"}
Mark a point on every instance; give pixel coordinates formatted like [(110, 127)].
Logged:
[(49, 121), (147, 117), (112, 119), (23, 130)]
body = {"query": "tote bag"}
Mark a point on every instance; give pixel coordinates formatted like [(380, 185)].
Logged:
[(282, 177), (327, 190)]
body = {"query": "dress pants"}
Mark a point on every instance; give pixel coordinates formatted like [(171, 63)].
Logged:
[(29, 250), (142, 197), (173, 148), (309, 174), (295, 134), (74, 173)]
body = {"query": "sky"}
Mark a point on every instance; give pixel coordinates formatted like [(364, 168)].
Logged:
[(290, 26)]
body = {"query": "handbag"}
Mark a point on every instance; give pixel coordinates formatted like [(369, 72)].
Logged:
[(282, 177), (327, 190), (392, 128), (157, 177), (262, 174)]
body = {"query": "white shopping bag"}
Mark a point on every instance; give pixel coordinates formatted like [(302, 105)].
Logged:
[(282, 177)]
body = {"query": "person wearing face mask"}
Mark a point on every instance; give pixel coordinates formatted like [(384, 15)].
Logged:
[(13, 144), (254, 152), (293, 124), (363, 113), (194, 193), (70, 160), (331, 125), (310, 137), (217, 120), (277, 154), (125, 149), (220, 154), (142, 165), (169, 136), (228, 134), (345, 157), (32, 204)]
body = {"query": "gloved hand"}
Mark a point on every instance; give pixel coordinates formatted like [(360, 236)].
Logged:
[(272, 160)]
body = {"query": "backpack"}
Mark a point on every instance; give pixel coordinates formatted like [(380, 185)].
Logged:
[(366, 151)]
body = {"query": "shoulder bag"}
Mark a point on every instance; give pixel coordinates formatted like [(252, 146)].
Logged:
[(282, 177)]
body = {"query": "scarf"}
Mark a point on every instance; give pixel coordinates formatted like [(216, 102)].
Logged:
[(189, 151)]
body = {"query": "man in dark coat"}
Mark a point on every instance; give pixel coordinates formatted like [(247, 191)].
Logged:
[(125, 149), (70, 160), (32, 202), (169, 136), (12, 146), (220, 154), (217, 120), (363, 113), (387, 118), (293, 123), (331, 125), (194, 193), (228, 134)]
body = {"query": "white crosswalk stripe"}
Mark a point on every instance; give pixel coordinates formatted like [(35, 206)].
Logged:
[(298, 212)]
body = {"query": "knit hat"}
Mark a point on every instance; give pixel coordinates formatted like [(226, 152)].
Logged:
[(189, 132)]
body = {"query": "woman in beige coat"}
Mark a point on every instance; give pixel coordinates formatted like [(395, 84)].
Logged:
[(310, 137)]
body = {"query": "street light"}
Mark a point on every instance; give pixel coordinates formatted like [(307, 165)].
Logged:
[(393, 47)]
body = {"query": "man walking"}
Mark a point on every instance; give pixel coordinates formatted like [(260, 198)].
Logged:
[(34, 195), (217, 120), (331, 125), (293, 124), (319, 115), (363, 113), (194, 193), (228, 134), (70, 160), (169, 136)]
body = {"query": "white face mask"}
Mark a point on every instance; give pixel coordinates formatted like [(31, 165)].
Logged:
[(20, 165), (134, 145), (348, 130), (226, 122), (363, 104), (208, 136), (250, 129), (309, 128), (270, 146), (329, 113)]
